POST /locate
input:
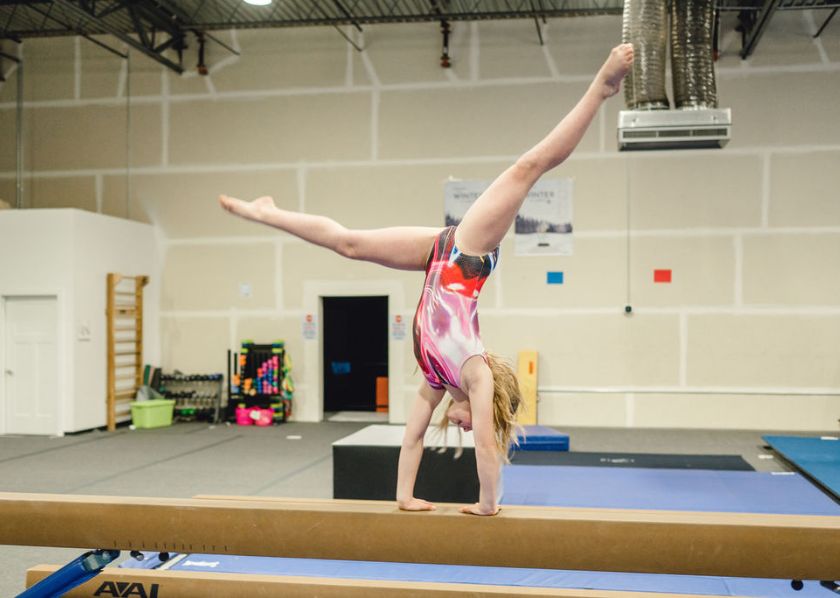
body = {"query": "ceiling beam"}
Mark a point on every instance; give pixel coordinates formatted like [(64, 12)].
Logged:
[(359, 19), (77, 10), (78, 31)]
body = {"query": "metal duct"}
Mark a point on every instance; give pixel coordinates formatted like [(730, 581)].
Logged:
[(645, 26), (692, 65)]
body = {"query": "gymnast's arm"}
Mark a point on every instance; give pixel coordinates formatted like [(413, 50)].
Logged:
[(479, 384), (412, 448)]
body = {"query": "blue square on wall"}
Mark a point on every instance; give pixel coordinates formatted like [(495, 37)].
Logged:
[(554, 278)]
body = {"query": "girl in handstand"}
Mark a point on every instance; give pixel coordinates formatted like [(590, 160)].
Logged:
[(457, 260)]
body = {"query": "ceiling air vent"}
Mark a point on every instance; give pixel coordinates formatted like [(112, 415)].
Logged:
[(673, 129)]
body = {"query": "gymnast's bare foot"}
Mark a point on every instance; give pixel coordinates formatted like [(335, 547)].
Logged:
[(251, 210), (608, 79)]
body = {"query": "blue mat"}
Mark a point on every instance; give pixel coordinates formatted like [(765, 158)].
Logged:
[(542, 438), (665, 489), (819, 458), (503, 576), (697, 490)]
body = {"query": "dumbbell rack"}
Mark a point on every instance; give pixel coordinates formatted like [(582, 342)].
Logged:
[(198, 397)]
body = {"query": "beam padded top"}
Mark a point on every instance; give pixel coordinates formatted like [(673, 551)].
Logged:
[(725, 544)]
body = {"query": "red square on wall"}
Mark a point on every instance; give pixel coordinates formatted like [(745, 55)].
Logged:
[(661, 276)]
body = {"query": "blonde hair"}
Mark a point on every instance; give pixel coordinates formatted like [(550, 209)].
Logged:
[(507, 400)]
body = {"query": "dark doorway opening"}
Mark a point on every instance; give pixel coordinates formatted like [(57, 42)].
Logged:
[(355, 351)]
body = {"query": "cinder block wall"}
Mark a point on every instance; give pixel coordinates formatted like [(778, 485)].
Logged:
[(745, 336)]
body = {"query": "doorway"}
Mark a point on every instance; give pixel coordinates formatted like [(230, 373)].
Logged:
[(30, 365), (355, 351)]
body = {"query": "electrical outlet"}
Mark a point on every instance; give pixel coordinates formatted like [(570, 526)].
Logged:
[(83, 333)]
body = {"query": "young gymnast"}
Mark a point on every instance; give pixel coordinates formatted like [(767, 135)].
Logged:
[(457, 260)]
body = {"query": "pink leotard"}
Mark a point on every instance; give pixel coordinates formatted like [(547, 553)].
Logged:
[(446, 322)]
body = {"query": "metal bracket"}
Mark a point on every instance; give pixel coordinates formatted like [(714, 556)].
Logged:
[(826, 22), (757, 25)]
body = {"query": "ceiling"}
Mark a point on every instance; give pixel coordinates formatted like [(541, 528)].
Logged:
[(159, 28)]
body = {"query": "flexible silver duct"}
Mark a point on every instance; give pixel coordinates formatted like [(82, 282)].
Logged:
[(692, 64), (645, 26)]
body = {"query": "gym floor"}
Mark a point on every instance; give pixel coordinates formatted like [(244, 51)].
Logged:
[(293, 460)]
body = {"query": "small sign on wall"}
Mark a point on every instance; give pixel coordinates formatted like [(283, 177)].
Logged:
[(398, 328), (310, 327), (543, 225)]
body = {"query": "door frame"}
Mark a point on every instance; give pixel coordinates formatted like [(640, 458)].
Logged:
[(60, 346), (312, 407)]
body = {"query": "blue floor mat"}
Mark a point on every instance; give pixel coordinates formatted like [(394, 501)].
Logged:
[(503, 576), (665, 489), (817, 457), (693, 490)]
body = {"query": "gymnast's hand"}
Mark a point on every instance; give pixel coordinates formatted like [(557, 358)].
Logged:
[(416, 504), (477, 509), (251, 210)]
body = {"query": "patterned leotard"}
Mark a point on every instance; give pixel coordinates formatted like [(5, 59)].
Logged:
[(446, 322)]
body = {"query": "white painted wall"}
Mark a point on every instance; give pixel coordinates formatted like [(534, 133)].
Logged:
[(67, 253), (104, 244), (36, 260), (744, 337)]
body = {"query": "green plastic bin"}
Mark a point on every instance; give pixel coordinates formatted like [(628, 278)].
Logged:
[(155, 413)]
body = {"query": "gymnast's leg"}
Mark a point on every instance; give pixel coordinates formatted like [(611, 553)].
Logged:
[(400, 247), (488, 219)]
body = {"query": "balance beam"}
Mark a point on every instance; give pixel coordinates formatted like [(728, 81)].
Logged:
[(144, 583), (724, 544)]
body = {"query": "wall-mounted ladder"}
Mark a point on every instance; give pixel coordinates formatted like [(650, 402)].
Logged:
[(124, 313)]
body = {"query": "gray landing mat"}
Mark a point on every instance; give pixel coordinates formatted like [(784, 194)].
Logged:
[(645, 460)]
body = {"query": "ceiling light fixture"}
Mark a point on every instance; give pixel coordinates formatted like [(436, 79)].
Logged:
[(258, 2)]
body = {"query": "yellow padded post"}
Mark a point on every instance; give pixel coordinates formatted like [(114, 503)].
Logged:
[(527, 374)]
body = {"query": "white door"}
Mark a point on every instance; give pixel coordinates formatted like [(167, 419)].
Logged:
[(30, 371)]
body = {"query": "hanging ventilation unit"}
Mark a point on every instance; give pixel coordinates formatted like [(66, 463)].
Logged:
[(674, 129), (695, 121)]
